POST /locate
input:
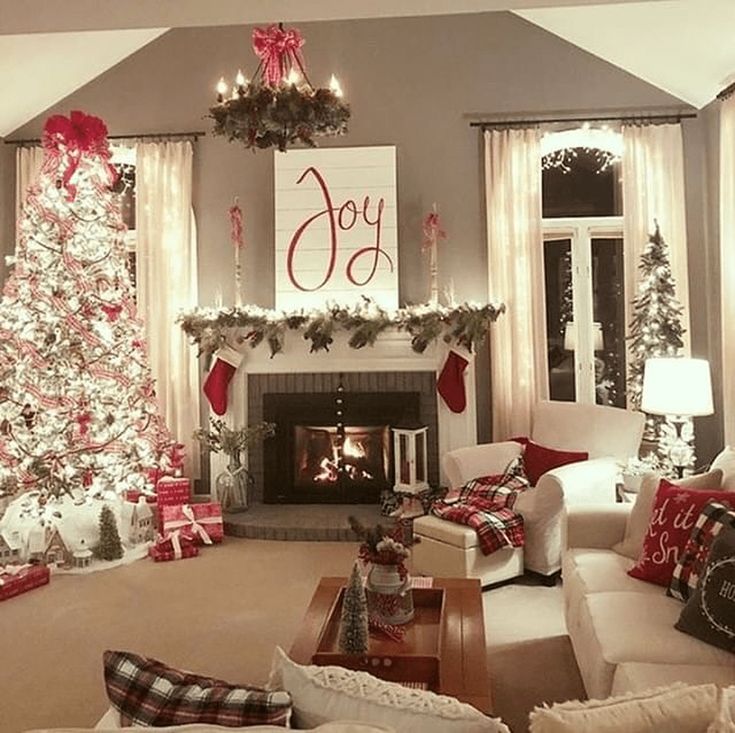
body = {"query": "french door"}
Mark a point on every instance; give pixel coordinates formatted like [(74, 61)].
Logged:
[(585, 309)]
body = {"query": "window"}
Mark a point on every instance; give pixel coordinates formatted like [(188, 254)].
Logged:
[(124, 161), (583, 258)]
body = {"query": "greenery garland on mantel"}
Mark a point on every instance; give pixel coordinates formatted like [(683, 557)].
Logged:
[(465, 324)]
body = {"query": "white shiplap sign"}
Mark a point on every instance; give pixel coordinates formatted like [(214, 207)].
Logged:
[(336, 221)]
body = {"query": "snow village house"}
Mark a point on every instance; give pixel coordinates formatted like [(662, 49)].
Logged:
[(56, 552), (139, 521), (10, 545)]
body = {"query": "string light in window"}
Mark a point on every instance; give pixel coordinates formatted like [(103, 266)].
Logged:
[(560, 149)]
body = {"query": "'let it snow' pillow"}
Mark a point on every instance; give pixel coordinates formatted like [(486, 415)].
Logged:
[(675, 512), (713, 519), (538, 459)]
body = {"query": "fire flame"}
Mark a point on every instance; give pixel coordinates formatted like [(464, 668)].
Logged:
[(329, 466)]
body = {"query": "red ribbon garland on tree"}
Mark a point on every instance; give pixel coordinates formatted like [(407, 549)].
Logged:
[(74, 136), (277, 49)]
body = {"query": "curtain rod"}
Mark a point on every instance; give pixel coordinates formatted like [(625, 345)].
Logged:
[(678, 116), (145, 136), (727, 92)]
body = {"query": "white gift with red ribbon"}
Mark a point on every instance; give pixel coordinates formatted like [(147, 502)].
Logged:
[(191, 522)]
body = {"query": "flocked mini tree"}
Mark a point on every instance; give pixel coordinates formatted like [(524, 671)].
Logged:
[(77, 404), (353, 627), (655, 330)]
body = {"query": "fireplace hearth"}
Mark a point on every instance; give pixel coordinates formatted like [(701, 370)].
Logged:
[(333, 447)]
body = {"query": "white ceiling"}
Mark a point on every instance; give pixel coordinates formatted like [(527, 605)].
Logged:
[(37, 16), (684, 47), (38, 70), (681, 46)]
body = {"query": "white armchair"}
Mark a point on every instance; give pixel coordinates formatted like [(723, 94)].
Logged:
[(608, 434)]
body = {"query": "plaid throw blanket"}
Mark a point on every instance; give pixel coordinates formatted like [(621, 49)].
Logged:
[(486, 505)]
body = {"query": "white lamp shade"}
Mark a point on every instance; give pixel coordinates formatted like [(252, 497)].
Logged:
[(677, 386), (570, 336)]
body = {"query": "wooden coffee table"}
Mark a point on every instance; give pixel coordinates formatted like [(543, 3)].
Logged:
[(443, 649)]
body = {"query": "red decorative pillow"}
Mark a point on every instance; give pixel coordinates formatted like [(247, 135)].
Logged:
[(148, 693), (537, 459), (675, 512)]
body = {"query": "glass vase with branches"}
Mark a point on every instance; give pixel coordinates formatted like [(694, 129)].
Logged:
[(233, 485)]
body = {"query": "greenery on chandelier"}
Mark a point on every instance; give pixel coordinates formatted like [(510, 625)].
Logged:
[(464, 324), (269, 117)]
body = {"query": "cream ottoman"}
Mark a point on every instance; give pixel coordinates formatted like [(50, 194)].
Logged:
[(449, 550)]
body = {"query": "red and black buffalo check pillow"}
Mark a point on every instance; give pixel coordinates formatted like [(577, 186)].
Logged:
[(149, 693), (711, 520)]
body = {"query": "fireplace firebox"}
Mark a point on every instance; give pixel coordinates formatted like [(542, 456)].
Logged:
[(332, 447)]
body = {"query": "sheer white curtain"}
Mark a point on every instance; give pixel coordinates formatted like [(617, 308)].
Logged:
[(653, 190), (727, 263), (28, 161), (519, 369), (167, 281)]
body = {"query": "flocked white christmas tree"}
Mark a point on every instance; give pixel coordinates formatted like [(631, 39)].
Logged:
[(78, 412)]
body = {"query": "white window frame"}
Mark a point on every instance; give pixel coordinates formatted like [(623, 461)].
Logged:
[(581, 231), (126, 155)]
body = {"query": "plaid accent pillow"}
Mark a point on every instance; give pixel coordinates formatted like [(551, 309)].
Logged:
[(149, 693), (713, 517)]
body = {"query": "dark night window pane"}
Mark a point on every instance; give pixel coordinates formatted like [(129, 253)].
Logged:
[(582, 189)]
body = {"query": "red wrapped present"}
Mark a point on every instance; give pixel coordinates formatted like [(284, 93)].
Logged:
[(172, 490), (204, 521), (174, 546), (17, 579), (132, 495)]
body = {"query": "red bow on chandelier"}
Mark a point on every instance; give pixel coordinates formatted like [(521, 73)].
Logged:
[(277, 49)]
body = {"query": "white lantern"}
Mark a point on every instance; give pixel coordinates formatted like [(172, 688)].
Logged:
[(410, 459)]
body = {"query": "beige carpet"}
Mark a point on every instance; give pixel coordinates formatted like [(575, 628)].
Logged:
[(222, 613)]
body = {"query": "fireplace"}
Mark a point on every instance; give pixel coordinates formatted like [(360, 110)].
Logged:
[(332, 447)]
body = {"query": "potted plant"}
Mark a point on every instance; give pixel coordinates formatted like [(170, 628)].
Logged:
[(233, 484), (388, 584)]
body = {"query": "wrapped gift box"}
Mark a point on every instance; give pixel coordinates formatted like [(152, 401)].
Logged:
[(172, 490), (133, 495), (204, 521), (17, 579), (175, 546)]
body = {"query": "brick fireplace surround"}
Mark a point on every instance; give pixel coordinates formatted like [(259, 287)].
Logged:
[(390, 365)]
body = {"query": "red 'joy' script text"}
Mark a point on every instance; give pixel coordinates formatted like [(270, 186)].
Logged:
[(341, 218)]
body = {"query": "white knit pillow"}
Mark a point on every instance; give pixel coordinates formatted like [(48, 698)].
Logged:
[(323, 694), (675, 709), (725, 460), (725, 720)]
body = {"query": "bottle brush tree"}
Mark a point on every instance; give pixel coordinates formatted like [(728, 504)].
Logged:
[(353, 628), (110, 547)]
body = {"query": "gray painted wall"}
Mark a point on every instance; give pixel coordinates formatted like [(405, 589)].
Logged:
[(411, 82)]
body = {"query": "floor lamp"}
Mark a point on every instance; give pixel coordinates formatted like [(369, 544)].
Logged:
[(679, 388)]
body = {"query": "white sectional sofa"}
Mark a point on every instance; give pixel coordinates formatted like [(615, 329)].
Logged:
[(622, 629)]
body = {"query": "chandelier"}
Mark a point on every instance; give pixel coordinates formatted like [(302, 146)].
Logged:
[(279, 106)]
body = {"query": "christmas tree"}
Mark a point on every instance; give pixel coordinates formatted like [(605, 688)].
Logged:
[(353, 627), (78, 413), (655, 330), (110, 546)]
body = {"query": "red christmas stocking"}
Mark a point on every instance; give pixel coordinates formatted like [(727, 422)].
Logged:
[(226, 362), (450, 384)]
